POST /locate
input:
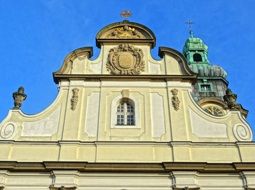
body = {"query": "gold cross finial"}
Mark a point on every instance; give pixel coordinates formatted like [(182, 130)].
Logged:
[(190, 23), (126, 14)]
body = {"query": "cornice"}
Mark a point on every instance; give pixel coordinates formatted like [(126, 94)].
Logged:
[(164, 167), (58, 77)]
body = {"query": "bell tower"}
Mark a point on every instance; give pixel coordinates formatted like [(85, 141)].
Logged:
[(195, 51), (211, 78), (211, 85)]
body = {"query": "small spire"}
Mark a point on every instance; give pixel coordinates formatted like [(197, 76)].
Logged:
[(125, 14), (190, 23)]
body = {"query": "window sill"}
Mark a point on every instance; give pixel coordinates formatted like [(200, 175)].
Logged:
[(125, 126)]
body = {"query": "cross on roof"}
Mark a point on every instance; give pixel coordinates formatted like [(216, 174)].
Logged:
[(190, 23), (126, 13)]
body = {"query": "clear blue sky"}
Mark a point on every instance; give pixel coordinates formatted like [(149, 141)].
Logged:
[(36, 35)]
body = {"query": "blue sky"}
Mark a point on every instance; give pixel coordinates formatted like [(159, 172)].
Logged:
[(36, 35)]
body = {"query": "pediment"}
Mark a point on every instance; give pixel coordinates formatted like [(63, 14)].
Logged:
[(125, 32)]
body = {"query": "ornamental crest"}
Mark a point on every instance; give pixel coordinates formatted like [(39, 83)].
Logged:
[(126, 60)]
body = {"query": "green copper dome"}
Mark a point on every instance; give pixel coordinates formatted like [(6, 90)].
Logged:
[(204, 70), (196, 44), (196, 51)]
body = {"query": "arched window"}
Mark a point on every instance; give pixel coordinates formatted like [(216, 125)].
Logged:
[(197, 57), (125, 112)]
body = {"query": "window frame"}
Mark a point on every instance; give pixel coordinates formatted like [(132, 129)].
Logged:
[(124, 110), (114, 105), (203, 84)]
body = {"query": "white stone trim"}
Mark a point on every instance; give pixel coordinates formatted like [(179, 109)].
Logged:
[(92, 114), (157, 115), (114, 105)]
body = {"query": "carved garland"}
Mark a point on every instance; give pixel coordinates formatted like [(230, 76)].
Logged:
[(175, 99), (74, 99), (125, 60)]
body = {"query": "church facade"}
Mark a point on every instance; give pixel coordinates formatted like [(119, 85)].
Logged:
[(126, 121)]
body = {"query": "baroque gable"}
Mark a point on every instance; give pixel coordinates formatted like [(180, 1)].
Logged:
[(126, 114)]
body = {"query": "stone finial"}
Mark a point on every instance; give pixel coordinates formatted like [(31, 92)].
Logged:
[(230, 99), (19, 97)]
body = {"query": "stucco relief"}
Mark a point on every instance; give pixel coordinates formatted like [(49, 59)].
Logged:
[(7, 131), (44, 127), (215, 110), (75, 98), (125, 32), (175, 99), (242, 133), (125, 60)]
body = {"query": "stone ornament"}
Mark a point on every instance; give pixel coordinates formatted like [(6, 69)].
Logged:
[(7, 131), (175, 99), (125, 60), (19, 97), (125, 32), (214, 110), (75, 98), (230, 99), (242, 133)]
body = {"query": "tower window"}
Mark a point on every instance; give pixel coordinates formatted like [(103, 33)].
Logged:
[(205, 87), (197, 57), (125, 112)]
